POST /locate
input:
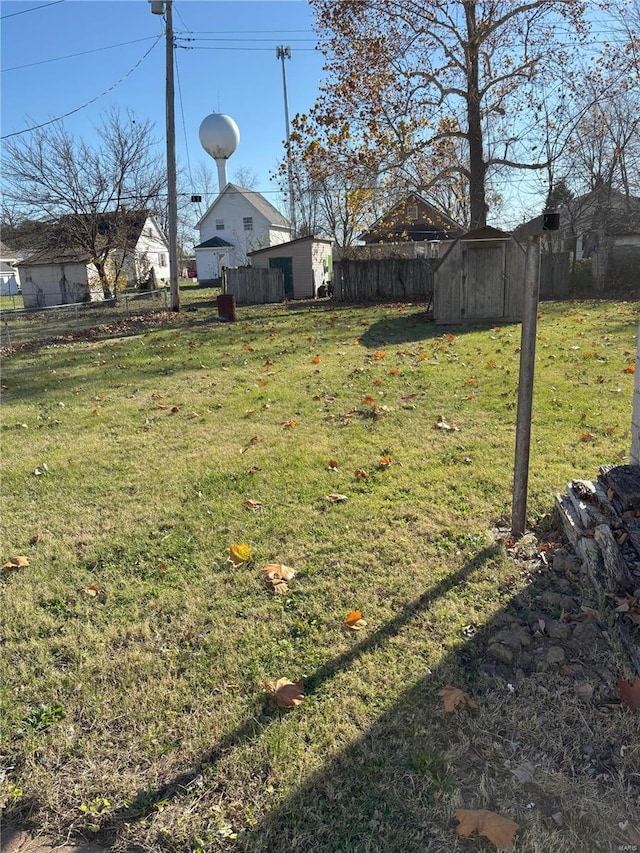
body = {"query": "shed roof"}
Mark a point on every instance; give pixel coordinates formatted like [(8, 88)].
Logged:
[(290, 243)]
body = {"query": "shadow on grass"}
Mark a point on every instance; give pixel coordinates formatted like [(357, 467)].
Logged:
[(251, 730)]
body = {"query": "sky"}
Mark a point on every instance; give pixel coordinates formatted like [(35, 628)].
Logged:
[(86, 56)]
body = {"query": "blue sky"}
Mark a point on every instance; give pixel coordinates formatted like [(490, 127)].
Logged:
[(230, 67)]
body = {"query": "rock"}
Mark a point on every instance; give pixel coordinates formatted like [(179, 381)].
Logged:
[(557, 601), (587, 633), (500, 652), (515, 636), (555, 654), (557, 630), (564, 563)]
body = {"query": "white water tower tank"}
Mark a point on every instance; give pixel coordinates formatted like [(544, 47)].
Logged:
[(219, 136)]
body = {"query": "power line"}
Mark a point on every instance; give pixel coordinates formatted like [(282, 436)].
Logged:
[(73, 55), (33, 9), (88, 103)]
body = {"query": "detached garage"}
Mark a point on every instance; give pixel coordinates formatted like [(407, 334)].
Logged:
[(305, 264)]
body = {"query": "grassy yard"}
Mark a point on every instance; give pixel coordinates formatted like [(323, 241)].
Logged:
[(135, 652)]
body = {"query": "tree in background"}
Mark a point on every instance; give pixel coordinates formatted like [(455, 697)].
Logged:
[(443, 93), (90, 191)]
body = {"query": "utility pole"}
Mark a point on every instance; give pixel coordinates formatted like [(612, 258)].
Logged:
[(159, 7), (283, 53)]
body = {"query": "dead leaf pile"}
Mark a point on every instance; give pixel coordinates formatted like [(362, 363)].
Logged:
[(19, 562), (454, 698)]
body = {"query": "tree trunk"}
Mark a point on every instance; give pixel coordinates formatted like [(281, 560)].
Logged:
[(477, 167), (104, 280)]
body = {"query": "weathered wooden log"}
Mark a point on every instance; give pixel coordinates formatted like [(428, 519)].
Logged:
[(623, 481), (617, 577)]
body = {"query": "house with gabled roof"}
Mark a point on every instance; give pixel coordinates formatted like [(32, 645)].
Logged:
[(238, 221), (8, 280), (57, 271), (413, 223)]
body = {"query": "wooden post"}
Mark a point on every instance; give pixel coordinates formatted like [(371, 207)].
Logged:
[(525, 388)]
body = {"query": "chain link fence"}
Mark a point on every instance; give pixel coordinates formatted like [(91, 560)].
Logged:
[(25, 325)]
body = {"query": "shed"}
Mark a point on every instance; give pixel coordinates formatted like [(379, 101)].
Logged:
[(305, 263), (61, 278), (480, 278)]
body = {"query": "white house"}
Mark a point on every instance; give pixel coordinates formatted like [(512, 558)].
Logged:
[(60, 273), (238, 221), (8, 280)]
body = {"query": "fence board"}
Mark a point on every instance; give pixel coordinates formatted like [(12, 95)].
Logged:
[(387, 278), (252, 286)]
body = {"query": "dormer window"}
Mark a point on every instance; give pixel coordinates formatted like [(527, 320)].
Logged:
[(219, 224)]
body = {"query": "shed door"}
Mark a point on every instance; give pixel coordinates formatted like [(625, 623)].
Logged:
[(483, 280), (286, 265)]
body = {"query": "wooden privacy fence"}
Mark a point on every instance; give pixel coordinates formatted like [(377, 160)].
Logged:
[(554, 275), (388, 278), (251, 286)]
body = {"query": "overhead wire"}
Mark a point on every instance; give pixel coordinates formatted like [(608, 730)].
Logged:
[(87, 103), (32, 9), (73, 55)]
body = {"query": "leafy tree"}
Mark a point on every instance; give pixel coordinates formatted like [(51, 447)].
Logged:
[(88, 190), (442, 90)]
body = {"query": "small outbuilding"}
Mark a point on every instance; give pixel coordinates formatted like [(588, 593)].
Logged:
[(480, 279), (305, 263)]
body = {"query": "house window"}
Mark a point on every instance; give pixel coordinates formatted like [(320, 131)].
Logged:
[(219, 224), (412, 212), (247, 221), (162, 260)]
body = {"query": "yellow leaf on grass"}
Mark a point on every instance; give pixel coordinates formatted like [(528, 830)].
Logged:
[(239, 554), (287, 693), (453, 698), (499, 830), (354, 620), (16, 563)]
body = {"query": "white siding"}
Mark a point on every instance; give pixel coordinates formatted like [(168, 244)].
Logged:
[(56, 284), (151, 251), (307, 263), (232, 209)]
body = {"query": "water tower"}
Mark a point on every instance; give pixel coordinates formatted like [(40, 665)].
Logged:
[(219, 136)]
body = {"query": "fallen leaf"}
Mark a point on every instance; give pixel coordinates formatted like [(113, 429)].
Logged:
[(394, 371), (287, 693), (239, 554), (41, 470), (442, 424), (588, 436), (368, 399), (255, 506), (333, 465), (316, 359), (454, 698), (248, 347), (92, 591), (630, 369), (385, 461), (630, 693), (499, 830), (16, 563), (253, 440), (362, 475), (379, 354), (524, 772), (354, 620), (335, 498), (174, 410), (277, 575), (289, 425)]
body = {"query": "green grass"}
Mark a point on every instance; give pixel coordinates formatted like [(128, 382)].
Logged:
[(136, 710)]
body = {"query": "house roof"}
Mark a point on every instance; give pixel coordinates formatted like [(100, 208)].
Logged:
[(258, 201), (486, 232), (439, 226), (289, 243), (55, 241), (579, 213), (213, 243)]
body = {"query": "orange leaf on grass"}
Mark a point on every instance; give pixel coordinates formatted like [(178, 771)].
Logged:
[(379, 354), (248, 347), (588, 436), (499, 830), (354, 620), (333, 465), (368, 399), (453, 698), (630, 693), (362, 475), (289, 425), (16, 563), (385, 461), (631, 368), (394, 371), (277, 575), (239, 554), (287, 693), (316, 359), (255, 506)]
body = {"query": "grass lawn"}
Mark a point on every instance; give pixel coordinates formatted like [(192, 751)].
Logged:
[(135, 653)]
